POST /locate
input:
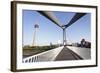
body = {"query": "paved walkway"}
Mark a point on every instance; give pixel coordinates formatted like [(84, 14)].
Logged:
[(85, 53), (67, 54), (61, 54)]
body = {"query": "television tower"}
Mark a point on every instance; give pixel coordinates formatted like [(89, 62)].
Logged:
[(36, 26)]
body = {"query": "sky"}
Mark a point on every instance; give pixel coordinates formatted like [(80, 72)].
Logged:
[(48, 32)]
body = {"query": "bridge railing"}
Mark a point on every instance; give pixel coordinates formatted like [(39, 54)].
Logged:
[(44, 56)]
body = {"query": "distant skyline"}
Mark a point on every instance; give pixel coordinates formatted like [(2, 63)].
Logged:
[(48, 32)]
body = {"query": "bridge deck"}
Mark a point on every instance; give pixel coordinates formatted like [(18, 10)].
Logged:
[(67, 54), (85, 53), (61, 54)]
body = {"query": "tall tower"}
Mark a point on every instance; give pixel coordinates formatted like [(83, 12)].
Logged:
[(64, 37), (36, 26)]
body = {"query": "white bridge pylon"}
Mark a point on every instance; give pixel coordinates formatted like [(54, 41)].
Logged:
[(49, 15)]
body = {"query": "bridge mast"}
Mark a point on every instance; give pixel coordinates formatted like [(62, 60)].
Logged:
[(64, 37)]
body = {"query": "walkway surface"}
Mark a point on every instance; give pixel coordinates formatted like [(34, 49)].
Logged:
[(67, 54), (61, 54), (85, 53)]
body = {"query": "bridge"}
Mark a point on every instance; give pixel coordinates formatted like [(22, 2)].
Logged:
[(60, 54), (63, 52)]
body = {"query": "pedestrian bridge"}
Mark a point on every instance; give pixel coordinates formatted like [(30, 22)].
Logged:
[(60, 53)]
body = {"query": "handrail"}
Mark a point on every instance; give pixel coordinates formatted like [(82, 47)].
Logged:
[(49, 55)]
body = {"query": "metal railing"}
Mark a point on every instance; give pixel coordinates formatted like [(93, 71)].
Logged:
[(44, 56)]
